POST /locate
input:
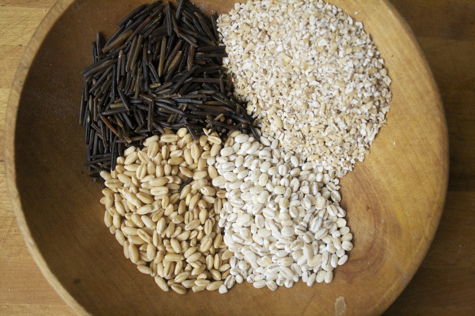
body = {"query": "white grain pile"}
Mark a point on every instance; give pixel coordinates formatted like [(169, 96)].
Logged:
[(282, 219), (312, 75)]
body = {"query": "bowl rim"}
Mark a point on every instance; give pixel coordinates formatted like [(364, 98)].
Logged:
[(49, 21), (13, 104)]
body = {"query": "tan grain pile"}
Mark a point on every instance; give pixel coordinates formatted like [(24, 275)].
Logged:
[(163, 209)]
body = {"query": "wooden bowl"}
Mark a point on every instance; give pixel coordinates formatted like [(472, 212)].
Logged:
[(394, 199)]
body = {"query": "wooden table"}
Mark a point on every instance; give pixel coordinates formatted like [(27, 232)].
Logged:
[(445, 283)]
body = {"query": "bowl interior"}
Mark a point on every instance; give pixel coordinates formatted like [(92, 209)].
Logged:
[(394, 199)]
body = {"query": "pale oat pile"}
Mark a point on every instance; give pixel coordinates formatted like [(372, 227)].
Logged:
[(311, 74)]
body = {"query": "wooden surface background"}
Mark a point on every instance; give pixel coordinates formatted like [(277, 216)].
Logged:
[(445, 283)]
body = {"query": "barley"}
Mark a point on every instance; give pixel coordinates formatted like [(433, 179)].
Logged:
[(223, 289), (343, 260), (328, 276), (259, 284), (271, 285), (347, 236), (347, 245), (275, 202), (239, 278)]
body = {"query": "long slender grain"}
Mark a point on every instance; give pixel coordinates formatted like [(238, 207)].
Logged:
[(139, 29), (117, 42), (131, 15), (162, 56)]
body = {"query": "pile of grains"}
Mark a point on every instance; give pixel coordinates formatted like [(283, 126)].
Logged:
[(163, 210), (282, 219), (161, 69), (211, 201), (311, 74)]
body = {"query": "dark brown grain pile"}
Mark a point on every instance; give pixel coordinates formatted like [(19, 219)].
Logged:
[(162, 69)]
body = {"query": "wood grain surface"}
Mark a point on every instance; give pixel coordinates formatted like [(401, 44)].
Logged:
[(445, 281)]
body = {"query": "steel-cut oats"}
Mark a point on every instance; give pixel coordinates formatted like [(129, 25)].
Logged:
[(311, 74)]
